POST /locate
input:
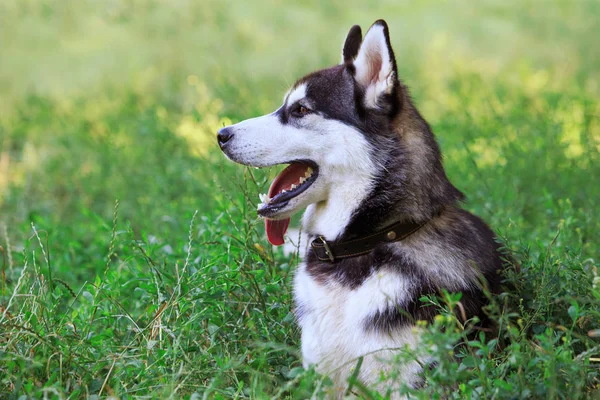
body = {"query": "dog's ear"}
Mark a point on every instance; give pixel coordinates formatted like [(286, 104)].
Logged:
[(351, 45), (375, 65)]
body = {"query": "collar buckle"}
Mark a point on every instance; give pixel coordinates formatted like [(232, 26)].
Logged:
[(328, 250)]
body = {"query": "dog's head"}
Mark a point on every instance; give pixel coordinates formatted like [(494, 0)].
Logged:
[(322, 128), (335, 129)]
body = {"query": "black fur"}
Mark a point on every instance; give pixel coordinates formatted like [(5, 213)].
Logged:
[(350, 272), (454, 250), (412, 185), (457, 232), (352, 44)]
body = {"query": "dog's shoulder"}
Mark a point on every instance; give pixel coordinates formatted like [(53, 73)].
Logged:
[(456, 251), (452, 250)]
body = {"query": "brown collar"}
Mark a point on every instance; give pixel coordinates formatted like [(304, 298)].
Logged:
[(333, 251)]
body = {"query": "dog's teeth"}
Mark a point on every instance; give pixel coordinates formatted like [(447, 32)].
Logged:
[(294, 186), (264, 198), (283, 191), (302, 180)]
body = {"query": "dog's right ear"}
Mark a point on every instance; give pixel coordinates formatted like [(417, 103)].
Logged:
[(375, 66), (351, 45)]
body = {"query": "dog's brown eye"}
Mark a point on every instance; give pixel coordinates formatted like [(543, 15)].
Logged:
[(301, 110)]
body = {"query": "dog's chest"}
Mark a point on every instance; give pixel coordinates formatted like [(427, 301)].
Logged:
[(333, 316)]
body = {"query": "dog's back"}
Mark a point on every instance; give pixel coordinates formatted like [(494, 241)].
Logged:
[(383, 221)]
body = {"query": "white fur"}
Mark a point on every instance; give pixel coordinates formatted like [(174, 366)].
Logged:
[(351, 181), (298, 93), (333, 334), (332, 322), (346, 169), (374, 66)]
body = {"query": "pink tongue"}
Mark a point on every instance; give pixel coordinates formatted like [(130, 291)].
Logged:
[(290, 175), (276, 229)]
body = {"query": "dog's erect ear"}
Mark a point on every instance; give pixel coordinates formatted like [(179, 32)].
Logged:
[(375, 64), (351, 45)]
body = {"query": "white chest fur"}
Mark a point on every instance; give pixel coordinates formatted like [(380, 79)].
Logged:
[(332, 318)]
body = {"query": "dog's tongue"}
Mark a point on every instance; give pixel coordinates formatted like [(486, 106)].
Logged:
[(276, 229), (284, 181)]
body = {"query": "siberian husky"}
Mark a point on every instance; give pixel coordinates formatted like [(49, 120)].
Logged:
[(384, 223)]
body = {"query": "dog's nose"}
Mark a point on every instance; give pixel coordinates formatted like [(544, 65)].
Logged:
[(224, 135)]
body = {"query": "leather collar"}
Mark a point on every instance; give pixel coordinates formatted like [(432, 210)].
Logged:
[(333, 251)]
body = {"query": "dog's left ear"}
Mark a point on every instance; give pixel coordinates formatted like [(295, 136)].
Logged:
[(375, 65), (351, 45)]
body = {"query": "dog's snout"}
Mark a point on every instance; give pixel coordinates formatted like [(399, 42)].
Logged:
[(224, 135)]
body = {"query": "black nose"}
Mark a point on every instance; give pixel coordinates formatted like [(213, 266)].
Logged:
[(224, 136)]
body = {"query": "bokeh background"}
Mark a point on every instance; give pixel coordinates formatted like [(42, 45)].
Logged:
[(121, 100)]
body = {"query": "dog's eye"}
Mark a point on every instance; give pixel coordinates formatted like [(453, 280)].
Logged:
[(300, 110)]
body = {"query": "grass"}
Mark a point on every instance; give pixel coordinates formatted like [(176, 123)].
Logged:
[(173, 290)]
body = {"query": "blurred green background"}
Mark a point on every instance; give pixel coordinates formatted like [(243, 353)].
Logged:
[(121, 100)]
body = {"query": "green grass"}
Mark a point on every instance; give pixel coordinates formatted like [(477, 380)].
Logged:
[(174, 292)]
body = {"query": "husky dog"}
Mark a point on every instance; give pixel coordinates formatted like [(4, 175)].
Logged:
[(384, 223)]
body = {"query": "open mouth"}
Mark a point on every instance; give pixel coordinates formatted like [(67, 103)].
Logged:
[(290, 183)]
